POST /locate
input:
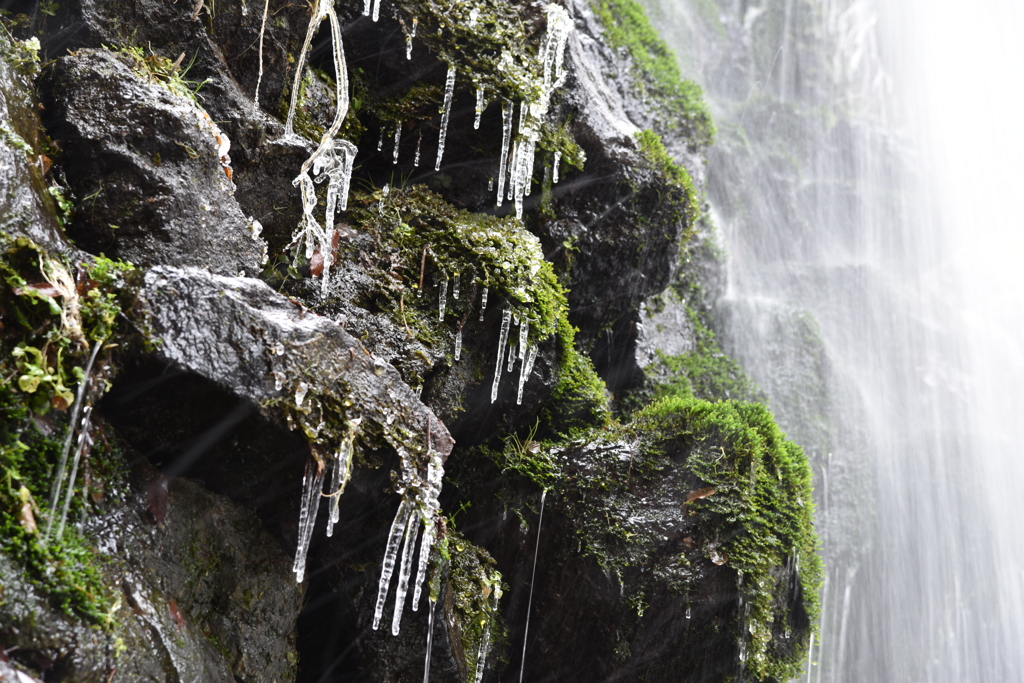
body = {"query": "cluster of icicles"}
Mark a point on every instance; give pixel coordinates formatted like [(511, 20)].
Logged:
[(526, 353), (415, 522)]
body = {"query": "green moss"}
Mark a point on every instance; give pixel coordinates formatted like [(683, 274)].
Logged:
[(659, 159), (50, 321), (579, 401), (626, 26), (477, 588), (761, 511), (483, 251), (706, 372)]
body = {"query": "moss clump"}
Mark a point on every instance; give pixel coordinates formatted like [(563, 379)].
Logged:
[(761, 514), (477, 588), (706, 372), (626, 26), (50, 321), (656, 155), (433, 240)]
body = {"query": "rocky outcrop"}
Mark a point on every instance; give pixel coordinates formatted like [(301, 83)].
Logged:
[(234, 383)]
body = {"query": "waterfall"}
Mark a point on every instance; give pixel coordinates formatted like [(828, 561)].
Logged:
[(868, 212)]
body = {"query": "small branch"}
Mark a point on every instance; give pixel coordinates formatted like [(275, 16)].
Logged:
[(198, 8)]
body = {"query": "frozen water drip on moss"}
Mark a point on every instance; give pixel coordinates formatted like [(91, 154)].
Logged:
[(341, 472), (380, 140), (449, 89), (430, 641), (507, 109), (398, 139), (332, 158), (412, 533), (524, 331), (58, 482), (483, 304), (458, 343), (395, 536), (524, 372), (312, 485), (376, 10), (409, 36), (485, 641), (554, 166), (455, 287), (442, 300), (366, 7), (479, 105), (419, 142), (506, 318), (300, 394)]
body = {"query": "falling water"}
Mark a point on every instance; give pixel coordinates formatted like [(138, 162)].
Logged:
[(874, 294), (533, 577)]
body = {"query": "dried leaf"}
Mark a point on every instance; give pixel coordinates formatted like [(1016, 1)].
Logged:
[(176, 614), (697, 494)]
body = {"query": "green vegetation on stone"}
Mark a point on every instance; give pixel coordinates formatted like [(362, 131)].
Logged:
[(654, 151), (684, 110)]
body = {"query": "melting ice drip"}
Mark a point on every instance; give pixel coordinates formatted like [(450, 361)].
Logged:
[(449, 89), (533, 112), (332, 160), (533, 577), (485, 641), (340, 466)]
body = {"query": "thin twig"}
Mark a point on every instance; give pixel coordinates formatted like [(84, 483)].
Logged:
[(423, 266), (197, 10)]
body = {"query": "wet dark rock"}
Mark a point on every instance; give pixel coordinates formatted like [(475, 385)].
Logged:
[(145, 167), (26, 207)]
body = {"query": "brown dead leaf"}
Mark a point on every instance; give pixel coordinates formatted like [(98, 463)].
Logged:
[(176, 614), (697, 494)]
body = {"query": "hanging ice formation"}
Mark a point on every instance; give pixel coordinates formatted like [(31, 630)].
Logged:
[(58, 482), (479, 106), (398, 139), (455, 287), (312, 485), (485, 641), (554, 166), (507, 109), (341, 472), (408, 38), (506, 318), (533, 112), (376, 10), (483, 304), (430, 641), (524, 372), (332, 160), (442, 300), (416, 159), (417, 511), (449, 89)]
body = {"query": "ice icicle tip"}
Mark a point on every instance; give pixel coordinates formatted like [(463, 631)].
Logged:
[(458, 344), (483, 304), (398, 139), (554, 167), (506, 318), (412, 532), (442, 300), (416, 159), (395, 537), (376, 10), (366, 7), (449, 89), (507, 112), (479, 106)]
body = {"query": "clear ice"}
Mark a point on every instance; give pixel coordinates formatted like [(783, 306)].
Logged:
[(412, 533), (554, 166), (398, 526), (442, 300), (506, 318), (524, 331), (455, 286), (483, 304), (485, 642), (398, 139), (84, 445), (341, 472), (408, 38), (479, 106), (259, 78), (430, 642), (449, 89), (416, 159), (312, 486), (458, 343), (300, 394), (332, 159), (376, 10), (366, 7), (507, 109), (524, 372), (58, 482)]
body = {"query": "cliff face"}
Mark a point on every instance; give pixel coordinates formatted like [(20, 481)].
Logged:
[(401, 297)]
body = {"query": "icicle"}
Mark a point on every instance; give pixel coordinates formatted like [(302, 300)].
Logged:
[(485, 642), (416, 159), (412, 533), (449, 89), (524, 331), (376, 10), (259, 78), (533, 576), (429, 535), (474, 14), (506, 318), (405, 509), (507, 109), (366, 8), (430, 641), (341, 472), (458, 343), (483, 304), (479, 105), (312, 484), (524, 373), (455, 287), (554, 167), (511, 360), (442, 300), (408, 38), (380, 142), (84, 443), (490, 184), (398, 138), (384, 192), (58, 482), (300, 394)]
